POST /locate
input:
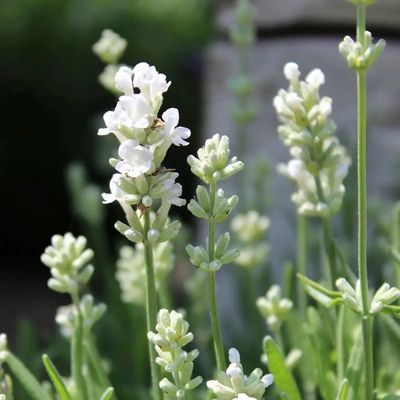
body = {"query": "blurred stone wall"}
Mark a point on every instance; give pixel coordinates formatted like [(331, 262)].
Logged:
[(308, 32)]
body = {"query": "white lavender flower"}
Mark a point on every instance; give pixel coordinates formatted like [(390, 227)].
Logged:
[(172, 334), (66, 315), (144, 140), (131, 270), (320, 162), (360, 56), (250, 226), (110, 47), (213, 162), (234, 384), (68, 260), (250, 229), (274, 308)]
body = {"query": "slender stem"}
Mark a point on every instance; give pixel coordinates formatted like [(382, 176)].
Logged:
[(218, 346), (340, 343), (301, 259), (396, 240), (77, 352), (329, 246), (362, 210), (151, 308), (96, 362)]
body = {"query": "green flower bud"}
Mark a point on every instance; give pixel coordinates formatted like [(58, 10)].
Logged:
[(170, 231), (195, 208), (153, 235)]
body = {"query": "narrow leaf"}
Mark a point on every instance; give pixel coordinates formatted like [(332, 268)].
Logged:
[(107, 395), (283, 378), (343, 390), (26, 379), (56, 378)]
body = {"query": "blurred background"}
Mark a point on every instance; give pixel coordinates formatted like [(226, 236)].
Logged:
[(52, 105)]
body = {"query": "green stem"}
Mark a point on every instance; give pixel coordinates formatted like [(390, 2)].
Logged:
[(329, 246), (151, 308), (77, 351), (340, 343), (301, 260), (96, 362), (396, 240), (218, 346), (362, 210)]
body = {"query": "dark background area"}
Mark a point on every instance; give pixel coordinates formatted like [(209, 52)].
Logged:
[(52, 105)]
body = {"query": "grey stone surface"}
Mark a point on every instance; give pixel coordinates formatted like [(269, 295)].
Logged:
[(270, 14), (266, 62)]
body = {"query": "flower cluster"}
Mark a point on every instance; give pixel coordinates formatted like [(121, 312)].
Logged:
[(67, 315), (172, 335), (68, 260), (144, 140), (250, 229), (235, 385), (360, 56), (319, 163), (131, 269), (213, 163), (274, 308), (382, 300)]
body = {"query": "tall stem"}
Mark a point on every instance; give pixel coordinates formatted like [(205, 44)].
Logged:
[(301, 259), (362, 210), (77, 351), (151, 308), (218, 346), (329, 244)]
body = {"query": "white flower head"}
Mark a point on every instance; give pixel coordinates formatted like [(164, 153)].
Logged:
[(151, 83), (235, 385), (136, 159), (176, 134)]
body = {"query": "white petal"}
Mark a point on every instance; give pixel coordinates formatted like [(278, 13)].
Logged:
[(123, 80), (107, 198), (126, 148), (179, 134), (267, 380), (291, 71), (103, 131), (234, 356), (316, 78), (171, 118)]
